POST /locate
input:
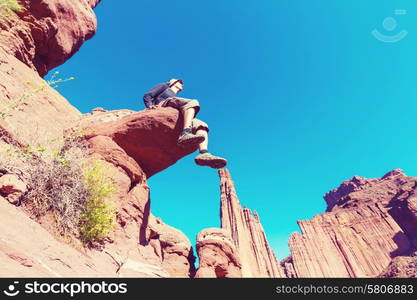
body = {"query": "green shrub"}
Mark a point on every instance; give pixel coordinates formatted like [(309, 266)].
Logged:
[(10, 5), (80, 198), (98, 218)]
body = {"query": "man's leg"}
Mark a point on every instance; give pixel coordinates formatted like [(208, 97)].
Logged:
[(205, 158), (188, 116), (204, 145), (189, 109)]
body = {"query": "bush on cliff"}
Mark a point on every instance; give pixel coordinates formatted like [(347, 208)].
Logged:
[(61, 184), (98, 218), (56, 182), (10, 5)]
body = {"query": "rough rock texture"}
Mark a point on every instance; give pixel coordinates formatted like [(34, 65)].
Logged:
[(149, 137), (252, 248), (257, 258), (37, 106), (368, 223), (146, 140), (141, 245), (44, 35), (359, 190), (36, 253), (401, 267), (12, 188), (125, 141), (217, 254), (369, 229), (133, 145), (47, 32), (354, 243)]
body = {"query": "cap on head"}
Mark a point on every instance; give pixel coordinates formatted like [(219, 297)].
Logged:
[(173, 81)]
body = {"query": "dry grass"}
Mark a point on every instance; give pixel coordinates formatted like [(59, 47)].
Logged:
[(55, 180), (66, 185)]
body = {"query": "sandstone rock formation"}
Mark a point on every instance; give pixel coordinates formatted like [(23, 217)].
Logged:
[(217, 254), (253, 254), (47, 32), (148, 137), (401, 267), (11, 187), (141, 245), (34, 252), (369, 229), (37, 39), (129, 142), (40, 37), (368, 223), (35, 102)]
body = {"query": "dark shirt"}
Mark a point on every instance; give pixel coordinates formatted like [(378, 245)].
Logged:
[(157, 94)]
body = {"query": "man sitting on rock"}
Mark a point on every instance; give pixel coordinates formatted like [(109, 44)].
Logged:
[(195, 131)]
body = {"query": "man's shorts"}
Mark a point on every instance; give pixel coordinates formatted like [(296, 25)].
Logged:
[(183, 104)]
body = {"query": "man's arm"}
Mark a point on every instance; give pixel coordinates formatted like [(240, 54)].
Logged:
[(149, 97)]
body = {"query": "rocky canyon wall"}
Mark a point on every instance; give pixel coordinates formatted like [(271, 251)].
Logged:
[(369, 228), (133, 146), (44, 34), (242, 235), (369, 223)]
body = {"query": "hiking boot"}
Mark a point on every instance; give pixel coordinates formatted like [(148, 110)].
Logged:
[(208, 159), (187, 138)]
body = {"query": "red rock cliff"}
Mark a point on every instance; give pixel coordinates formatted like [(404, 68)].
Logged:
[(141, 244), (42, 36), (47, 32), (369, 222), (369, 229), (33, 41), (241, 228)]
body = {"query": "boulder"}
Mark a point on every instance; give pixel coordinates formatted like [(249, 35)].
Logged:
[(149, 137), (217, 255), (12, 188)]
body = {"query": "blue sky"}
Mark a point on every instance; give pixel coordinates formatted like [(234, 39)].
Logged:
[(299, 96)]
